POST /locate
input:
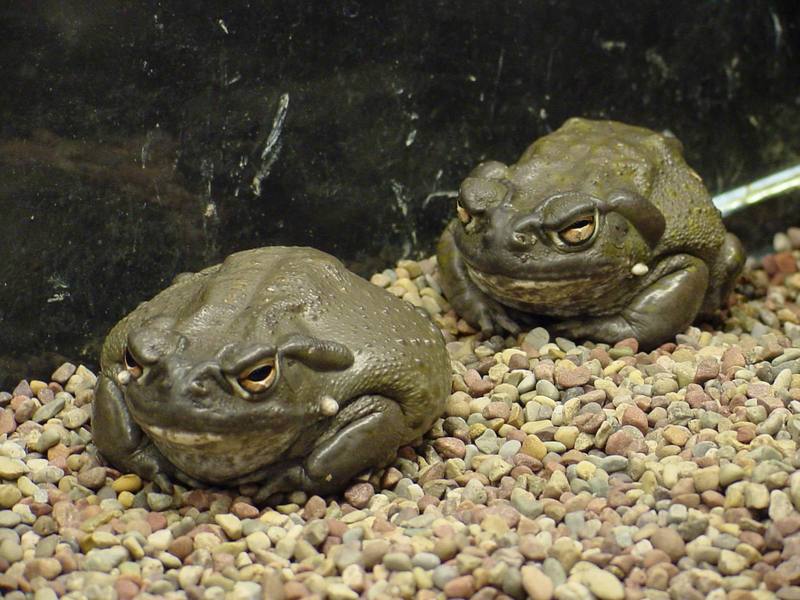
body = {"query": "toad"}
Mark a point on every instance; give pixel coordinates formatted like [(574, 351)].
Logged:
[(278, 367), (601, 227)]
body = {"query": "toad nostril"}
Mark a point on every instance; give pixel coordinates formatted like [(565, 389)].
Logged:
[(518, 239), (521, 240)]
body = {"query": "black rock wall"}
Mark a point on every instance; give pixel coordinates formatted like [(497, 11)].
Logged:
[(139, 140)]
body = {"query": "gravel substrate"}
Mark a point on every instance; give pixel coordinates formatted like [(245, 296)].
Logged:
[(559, 471)]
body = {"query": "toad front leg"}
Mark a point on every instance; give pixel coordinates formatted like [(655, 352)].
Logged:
[(123, 443), (366, 433), (468, 300), (662, 309)]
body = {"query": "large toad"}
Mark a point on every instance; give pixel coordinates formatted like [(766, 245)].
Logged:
[(601, 226), (277, 367)]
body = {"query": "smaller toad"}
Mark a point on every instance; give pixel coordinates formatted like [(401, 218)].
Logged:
[(601, 226), (278, 367)]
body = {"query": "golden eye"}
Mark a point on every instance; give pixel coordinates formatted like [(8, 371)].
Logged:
[(578, 232), (463, 214), (258, 378), (132, 365)]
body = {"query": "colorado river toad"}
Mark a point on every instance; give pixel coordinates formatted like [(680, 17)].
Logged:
[(601, 226), (278, 367)]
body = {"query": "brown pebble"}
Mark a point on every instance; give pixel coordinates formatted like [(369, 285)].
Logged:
[(518, 361), (746, 433), (690, 500), (531, 548), (496, 410), (25, 410), (426, 501), (314, 509), (197, 498), (294, 590), (669, 541), (23, 389), (156, 520), (788, 525), (7, 421), (631, 343), (785, 262), (450, 447), (390, 477), (431, 473), (359, 494), (589, 422), (336, 527), (45, 395), (625, 562), (93, 478), (732, 359), (68, 561), (633, 415), (8, 582), (753, 538), (243, 510), (621, 442), (460, 587), (478, 386), (707, 369), (601, 355), (712, 498), (696, 397), (568, 378), (774, 580), (126, 588), (181, 546), (654, 557)]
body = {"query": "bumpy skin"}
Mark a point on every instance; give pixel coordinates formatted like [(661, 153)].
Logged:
[(658, 257), (359, 373)]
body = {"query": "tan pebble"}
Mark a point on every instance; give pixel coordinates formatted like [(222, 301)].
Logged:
[(538, 585), (676, 434), (460, 587), (567, 435), (706, 479), (533, 446), (37, 386), (380, 280), (127, 483), (668, 540)]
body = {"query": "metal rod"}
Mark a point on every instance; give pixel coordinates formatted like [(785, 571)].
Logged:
[(738, 198)]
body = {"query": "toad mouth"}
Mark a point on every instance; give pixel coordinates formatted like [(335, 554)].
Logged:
[(486, 278), (182, 437)]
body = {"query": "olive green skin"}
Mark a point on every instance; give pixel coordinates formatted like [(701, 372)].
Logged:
[(359, 373), (659, 257)]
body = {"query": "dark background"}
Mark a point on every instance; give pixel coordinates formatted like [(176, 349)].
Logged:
[(132, 132)]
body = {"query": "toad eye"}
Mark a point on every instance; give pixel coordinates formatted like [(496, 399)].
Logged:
[(578, 231), (258, 378), (132, 365)]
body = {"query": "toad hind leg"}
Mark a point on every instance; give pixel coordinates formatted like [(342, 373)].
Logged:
[(664, 308), (122, 442), (366, 433)]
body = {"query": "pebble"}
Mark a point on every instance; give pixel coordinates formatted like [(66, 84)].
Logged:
[(49, 410), (11, 468), (670, 542), (537, 585), (603, 585)]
